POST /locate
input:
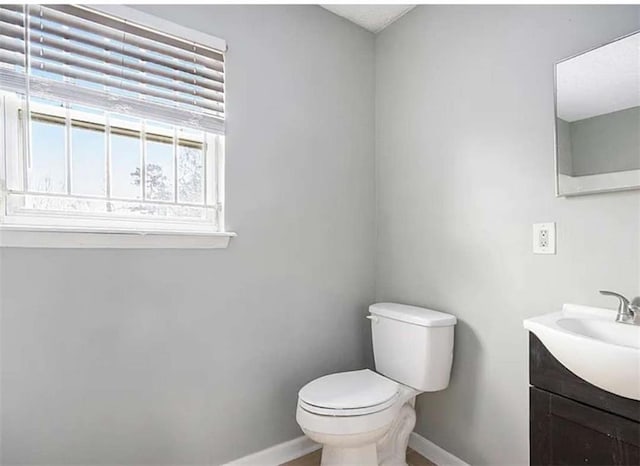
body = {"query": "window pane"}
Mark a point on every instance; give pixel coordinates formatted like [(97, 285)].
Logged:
[(125, 166), (88, 161), (47, 173), (190, 174), (159, 174)]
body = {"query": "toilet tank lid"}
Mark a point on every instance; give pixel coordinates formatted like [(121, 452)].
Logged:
[(413, 314)]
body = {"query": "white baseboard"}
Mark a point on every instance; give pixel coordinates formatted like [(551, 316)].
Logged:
[(278, 454), (433, 452), (287, 451)]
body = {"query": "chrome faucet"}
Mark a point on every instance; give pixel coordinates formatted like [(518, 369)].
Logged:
[(628, 311)]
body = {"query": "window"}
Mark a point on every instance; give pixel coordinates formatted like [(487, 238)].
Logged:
[(109, 125)]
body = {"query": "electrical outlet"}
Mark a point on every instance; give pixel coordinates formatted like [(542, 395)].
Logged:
[(544, 238)]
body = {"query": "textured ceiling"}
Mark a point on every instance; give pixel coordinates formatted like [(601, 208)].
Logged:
[(372, 17)]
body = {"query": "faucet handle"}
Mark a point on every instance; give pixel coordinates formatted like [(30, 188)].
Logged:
[(635, 304), (623, 304)]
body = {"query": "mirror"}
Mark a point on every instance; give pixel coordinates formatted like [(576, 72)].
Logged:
[(598, 119)]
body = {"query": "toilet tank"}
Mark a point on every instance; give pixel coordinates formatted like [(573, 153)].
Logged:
[(412, 345)]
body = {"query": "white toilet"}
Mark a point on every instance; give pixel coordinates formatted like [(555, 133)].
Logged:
[(363, 417)]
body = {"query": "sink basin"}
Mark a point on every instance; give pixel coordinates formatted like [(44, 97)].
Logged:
[(608, 332), (588, 342)]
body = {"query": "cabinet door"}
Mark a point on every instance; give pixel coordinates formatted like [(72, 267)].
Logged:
[(565, 432)]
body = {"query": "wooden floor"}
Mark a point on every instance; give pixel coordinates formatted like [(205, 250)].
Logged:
[(313, 459)]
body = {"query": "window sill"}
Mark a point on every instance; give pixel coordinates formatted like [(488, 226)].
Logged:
[(33, 237)]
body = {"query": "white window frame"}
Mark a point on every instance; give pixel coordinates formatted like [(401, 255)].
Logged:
[(26, 231)]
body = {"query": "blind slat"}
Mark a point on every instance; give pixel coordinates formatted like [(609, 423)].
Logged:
[(46, 56), (12, 17), (13, 45), (75, 43), (139, 32), (9, 7), (130, 50), (77, 22), (38, 39), (76, 40), (78, 73), (51, 90), (11, 30)]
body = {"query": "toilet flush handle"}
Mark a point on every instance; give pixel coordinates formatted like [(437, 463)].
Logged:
[(373, 319)]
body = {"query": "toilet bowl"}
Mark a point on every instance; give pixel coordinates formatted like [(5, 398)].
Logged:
[(350, 413), (364, 417)]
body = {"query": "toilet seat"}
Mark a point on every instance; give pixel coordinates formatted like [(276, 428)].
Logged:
[(354, 393)]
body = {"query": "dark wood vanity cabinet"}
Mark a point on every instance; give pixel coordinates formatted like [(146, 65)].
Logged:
[(572, 422)]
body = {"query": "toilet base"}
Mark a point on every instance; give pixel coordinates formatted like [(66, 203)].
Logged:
[(365, 455), (349, 450), (392, 448)]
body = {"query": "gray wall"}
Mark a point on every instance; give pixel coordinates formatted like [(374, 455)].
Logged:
[(194, 357), (464, 133), (606, 143)]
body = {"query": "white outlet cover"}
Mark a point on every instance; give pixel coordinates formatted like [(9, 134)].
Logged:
[(544, 238)]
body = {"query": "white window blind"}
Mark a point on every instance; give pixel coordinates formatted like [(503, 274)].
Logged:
[(107, 124), (71, 53)]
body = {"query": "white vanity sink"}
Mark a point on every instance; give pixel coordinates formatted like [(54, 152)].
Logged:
[(588, 342)]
